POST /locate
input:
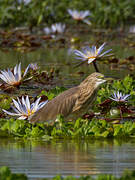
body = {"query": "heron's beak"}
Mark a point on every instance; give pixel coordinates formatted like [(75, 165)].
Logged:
[(108, 78)]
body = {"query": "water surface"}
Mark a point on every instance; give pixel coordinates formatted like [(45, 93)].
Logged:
[(39, 159), (59, 60)]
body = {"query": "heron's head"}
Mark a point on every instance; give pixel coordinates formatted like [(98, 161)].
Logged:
[(94, 80)]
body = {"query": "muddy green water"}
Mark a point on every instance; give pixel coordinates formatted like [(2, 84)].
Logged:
[(59, 60)]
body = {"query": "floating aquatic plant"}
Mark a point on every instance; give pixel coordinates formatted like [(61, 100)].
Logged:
[(24, 109), (81, 128)]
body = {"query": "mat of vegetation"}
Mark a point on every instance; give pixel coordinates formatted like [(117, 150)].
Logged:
[(79, 129), (6, 174), (109, 122)]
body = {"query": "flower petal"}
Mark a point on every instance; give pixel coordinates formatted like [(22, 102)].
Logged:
[(27, 102), (19, 72), (26, 70), (10, 113), (91, 60), (23, 117), (105, 53), (87, 21)]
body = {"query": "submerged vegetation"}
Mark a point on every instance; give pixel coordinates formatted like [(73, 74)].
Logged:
[(6, 174)]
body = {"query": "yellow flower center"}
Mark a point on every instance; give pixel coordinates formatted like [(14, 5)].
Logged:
[(16, 83), (91, 57), (30, 112)]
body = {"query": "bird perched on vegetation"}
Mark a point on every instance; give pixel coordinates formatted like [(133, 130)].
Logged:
[(74, 101)]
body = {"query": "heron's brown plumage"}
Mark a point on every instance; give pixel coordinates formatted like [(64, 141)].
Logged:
[(72, 101)]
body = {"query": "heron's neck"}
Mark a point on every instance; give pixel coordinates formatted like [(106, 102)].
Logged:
[(88, 89)]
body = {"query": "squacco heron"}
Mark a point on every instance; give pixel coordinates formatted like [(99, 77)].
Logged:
[(72, 102)]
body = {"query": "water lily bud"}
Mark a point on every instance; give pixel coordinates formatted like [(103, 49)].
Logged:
[(114, 112)]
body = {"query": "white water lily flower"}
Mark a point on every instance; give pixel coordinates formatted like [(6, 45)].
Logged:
[(119, 97), (58, 28), (13, 78), (80, 15), (47, 30), (55, 28), (90, 54), (24, 109), (132, 29)]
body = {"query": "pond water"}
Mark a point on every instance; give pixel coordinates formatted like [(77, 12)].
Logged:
[(58, 60), (40, 159)]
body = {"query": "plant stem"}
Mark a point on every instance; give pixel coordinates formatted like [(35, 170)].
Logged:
[(121, 113), (95, 66)]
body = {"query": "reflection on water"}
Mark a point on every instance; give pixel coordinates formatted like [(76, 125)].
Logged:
[(46, 159)]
